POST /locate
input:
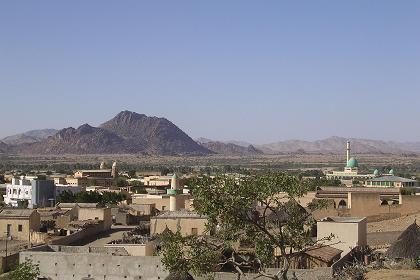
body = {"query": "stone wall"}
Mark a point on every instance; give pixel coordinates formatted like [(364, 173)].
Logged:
[(77, 263), (77, 266), (6, 265), (369, 205)]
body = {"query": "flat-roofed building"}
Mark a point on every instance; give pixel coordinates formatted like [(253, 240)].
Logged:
[(186, 222), (18, 224), (347, 232), (99, 173), (36, 193), (391, 181), (161, 202)]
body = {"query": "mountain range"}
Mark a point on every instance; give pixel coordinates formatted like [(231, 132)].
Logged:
[(29, 136), (126, 133), (133, 133), (230, 148)]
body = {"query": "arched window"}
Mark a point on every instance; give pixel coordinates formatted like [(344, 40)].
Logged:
[(384, 202), (342, 204)]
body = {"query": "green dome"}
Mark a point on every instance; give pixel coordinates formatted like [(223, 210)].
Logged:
[(376, 172), (352, 163), (391, 172)]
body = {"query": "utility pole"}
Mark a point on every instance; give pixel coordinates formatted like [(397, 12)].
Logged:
[(5, 258)]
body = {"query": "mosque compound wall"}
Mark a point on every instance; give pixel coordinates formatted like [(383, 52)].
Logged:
[(374, 206)]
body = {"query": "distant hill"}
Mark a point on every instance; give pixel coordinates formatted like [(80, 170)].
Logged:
[(231, 149), (155, 136), (336, 145), (133, 133), (128, 132), (203, 140), (3, 147), (29, 136)]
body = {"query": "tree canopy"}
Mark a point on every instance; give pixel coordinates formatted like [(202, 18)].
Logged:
[(25, 271), (106, 198), (255, 222)]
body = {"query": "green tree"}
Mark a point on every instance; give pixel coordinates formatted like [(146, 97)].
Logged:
[(177, 259), (23, 204), (132, 173), (25, 271), (259, 212), (66, 197), (42, 177), (120, 182), (111, 198)]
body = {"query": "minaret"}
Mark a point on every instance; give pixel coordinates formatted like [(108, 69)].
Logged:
[(348, 151), (173, 192), (114, 170)]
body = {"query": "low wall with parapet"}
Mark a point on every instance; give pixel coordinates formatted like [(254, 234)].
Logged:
[(75, 263), (92, 230)]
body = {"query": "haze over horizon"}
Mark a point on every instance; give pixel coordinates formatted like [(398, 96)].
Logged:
[(235, 70)]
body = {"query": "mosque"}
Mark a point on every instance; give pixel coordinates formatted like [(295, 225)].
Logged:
[(351, 171)]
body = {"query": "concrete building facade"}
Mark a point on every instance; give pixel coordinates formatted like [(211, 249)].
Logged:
[(88, 263), (37, 193), (18, 224), (188, 223), (348, 232)]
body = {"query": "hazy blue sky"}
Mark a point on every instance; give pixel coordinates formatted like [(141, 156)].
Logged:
[(259, 71)]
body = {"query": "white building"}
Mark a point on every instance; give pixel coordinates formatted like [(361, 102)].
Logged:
[(346, 232), (37, 193), (351, 170)]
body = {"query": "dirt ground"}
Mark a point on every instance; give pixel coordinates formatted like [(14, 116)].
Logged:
[(382, 234), (386, 274), (398, 224)]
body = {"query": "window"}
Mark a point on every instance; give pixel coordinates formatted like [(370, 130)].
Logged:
[(163, 208), (20, 227), (194, 231)]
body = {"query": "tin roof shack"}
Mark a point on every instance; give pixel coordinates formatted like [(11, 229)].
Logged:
[(316, 256), (348, 232), (18, 224)]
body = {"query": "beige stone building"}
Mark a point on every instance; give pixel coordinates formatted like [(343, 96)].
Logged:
[(161, 202), (188, 223), (102, 214), (19, 224), (84, 212), (100, 173), (348, 232), (391, 181), (71, 181)]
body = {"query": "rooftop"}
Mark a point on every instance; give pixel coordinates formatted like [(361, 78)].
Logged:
[(324, 253), (357, 189), (179, 214), (343, 219), (392, 178), (81, 205), (96, 170), (11, 213)]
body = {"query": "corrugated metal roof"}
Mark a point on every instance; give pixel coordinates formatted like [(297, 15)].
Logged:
[(324, 253), (392, 179)]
